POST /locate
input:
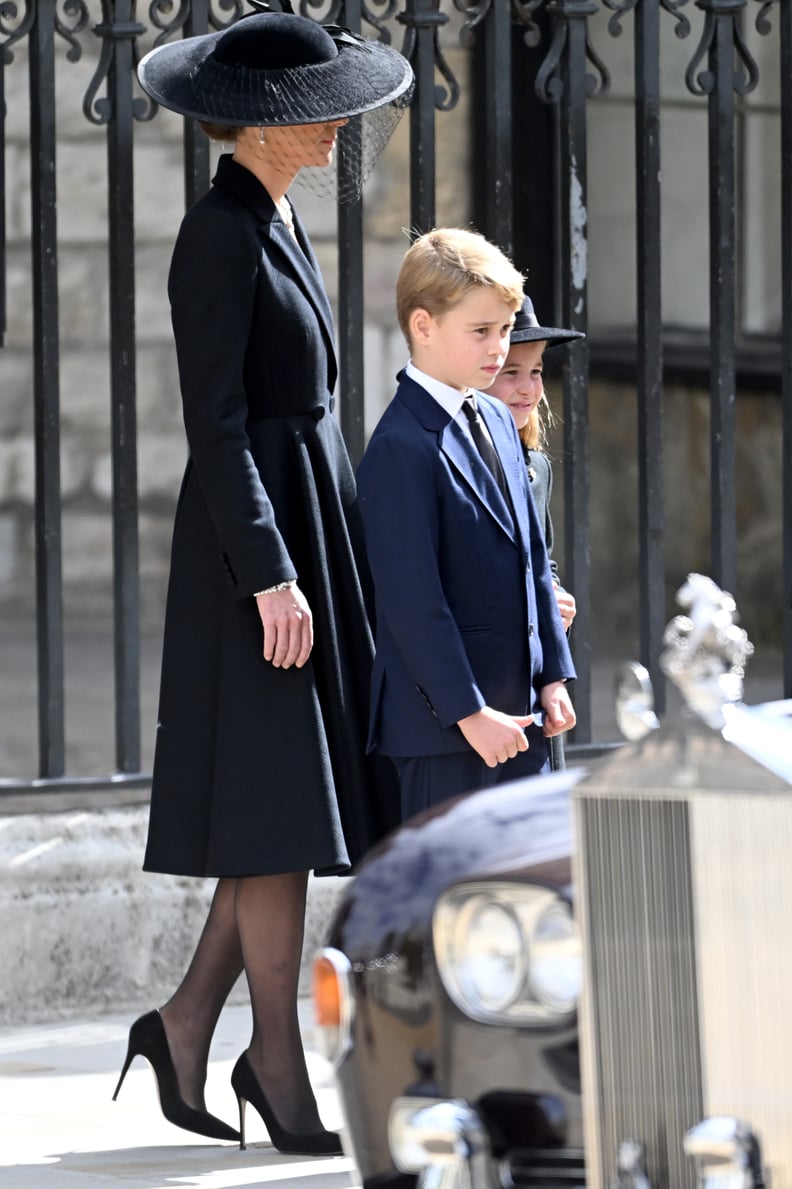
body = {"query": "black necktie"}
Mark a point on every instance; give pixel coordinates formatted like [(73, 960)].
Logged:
[(484, 445)]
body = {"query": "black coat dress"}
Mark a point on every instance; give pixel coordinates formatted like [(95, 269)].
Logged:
[(260, 770)]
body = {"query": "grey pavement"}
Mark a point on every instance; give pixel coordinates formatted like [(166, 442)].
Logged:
[(60, 1127)]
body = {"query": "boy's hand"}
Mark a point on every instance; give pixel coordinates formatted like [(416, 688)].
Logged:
[(495, 736), (288, 627), (566, 605), (559, 714)]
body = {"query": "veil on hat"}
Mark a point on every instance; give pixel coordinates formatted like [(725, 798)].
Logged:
[(278, 70)]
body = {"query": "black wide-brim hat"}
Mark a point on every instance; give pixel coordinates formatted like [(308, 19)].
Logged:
[(275, 68), (526, 329)]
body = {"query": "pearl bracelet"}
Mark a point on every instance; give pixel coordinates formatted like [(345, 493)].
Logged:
[(277, 587)]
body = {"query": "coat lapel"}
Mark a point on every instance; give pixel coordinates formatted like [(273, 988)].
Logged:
[(298, 254), (301, 257), (457, 447)]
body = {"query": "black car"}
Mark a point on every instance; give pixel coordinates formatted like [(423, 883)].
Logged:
[(505, 1008), (447, 996)]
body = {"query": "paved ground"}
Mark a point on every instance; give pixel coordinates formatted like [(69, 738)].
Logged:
[(60, 1127)]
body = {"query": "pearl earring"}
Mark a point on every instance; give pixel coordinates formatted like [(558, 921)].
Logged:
[(262, 139)]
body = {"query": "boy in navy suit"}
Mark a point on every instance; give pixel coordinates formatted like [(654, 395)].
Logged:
[(471, 655)]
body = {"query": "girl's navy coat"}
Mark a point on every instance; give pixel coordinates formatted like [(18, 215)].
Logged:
[(257, 769), (466, 614)]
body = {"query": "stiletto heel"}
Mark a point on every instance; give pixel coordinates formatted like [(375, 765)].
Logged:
[(147, 1039), (247, 1089)]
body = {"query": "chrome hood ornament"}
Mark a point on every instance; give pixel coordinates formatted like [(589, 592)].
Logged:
[(705, 651)]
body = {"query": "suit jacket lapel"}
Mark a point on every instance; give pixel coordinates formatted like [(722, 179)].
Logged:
[(460, 451), (465, 458), (512, 460)]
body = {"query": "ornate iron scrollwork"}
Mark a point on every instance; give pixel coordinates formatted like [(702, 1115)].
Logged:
[(76, 12), (746, 73), (159, 10), (335, 15), (332, 16), (549, 81), (112, 30), (524, 12), (475, 12), (763, 25), (425, 14), (620, 7), (9, 13), (74, 19)]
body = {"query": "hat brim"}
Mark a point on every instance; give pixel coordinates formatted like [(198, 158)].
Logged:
[(358, 80), (554, 336)]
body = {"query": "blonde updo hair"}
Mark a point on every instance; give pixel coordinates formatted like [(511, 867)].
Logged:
[(443, 265)]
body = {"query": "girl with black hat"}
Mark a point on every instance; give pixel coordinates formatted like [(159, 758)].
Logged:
[(520, 386), (260, 773)]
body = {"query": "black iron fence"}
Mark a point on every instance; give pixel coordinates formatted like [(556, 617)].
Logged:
[(539, 50)]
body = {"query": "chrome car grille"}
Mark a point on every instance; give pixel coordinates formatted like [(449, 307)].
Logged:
[(641, 1019), (684, 896)]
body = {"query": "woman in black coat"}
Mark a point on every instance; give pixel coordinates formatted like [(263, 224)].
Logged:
[(260, 773), (520, 386)]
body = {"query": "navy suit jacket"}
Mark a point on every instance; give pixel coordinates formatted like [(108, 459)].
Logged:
[(465, 610)]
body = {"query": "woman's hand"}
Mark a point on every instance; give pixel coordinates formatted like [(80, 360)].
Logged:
[(288, 627)]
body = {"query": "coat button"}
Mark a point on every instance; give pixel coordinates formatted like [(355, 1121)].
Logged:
[(318, 413)]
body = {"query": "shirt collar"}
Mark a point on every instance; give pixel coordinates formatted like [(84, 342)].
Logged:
[(448, 398)]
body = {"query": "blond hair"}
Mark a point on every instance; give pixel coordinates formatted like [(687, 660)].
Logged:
[(443, 265), (533, 434)]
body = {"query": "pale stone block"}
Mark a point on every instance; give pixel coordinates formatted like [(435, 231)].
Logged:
[(85, 391), (152, 308), (83, 297), (761, 259), (609, 229), (87, 547), (75, 464), (16, 386), (161, 461), (158, 400), (89, 930), (17, 191), (17, 470), (159, 191), (8, 542), (156, 530)]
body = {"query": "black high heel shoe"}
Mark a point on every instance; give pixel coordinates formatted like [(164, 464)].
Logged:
[(147, 1039), (245, 1086)]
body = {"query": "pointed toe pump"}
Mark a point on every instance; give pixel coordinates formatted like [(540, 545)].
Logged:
[(147, 1039), (245, 1086)]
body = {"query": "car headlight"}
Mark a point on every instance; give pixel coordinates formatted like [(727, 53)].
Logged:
[(333, 1003), (508, 952)]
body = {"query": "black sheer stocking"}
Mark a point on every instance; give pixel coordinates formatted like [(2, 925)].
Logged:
[(270, 913), (257, 924), (191, 1014)]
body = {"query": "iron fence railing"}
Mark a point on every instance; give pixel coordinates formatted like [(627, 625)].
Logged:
[(502, 36)]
